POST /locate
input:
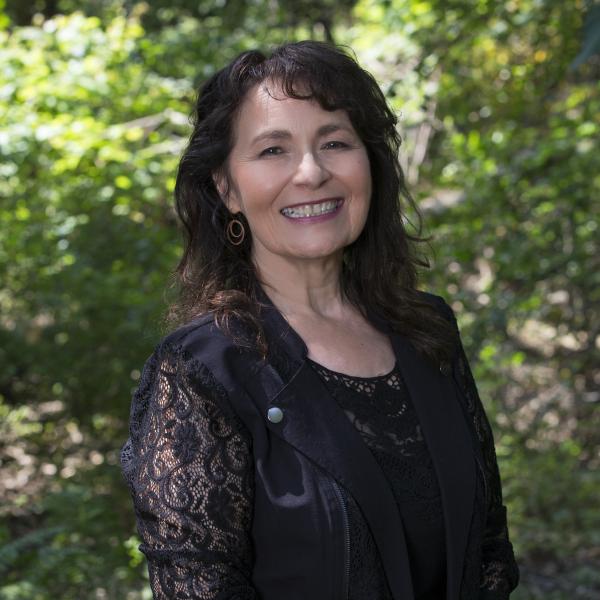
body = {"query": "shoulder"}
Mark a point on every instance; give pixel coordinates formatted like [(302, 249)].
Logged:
[(201, 327), (438, 303), (195, 359), (198, 339), (185, 354), (208, 355)]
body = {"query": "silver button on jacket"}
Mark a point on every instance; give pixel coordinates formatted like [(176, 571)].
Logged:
[(275, 414)]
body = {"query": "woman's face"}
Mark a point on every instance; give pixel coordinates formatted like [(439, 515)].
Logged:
[(300, 175)]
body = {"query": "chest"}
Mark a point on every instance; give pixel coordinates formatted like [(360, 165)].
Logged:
[(309, 462), (352, 346)]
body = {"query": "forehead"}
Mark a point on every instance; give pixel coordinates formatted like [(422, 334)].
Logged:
[(266, 106)]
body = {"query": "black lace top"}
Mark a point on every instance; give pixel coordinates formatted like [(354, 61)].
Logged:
[(381, 410), (189, 466)]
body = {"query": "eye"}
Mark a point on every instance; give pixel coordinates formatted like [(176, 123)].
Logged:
[(334, 145), (271, 151)]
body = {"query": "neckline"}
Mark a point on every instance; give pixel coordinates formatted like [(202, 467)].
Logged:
[(278, 327), (355, 377)]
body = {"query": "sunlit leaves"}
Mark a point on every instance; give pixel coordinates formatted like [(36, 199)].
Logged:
[(85, 125)]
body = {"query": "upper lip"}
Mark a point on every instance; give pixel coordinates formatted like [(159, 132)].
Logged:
[(332, 199)]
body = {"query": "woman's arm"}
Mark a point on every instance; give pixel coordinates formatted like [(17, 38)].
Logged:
[(188, 464), (499, 571)]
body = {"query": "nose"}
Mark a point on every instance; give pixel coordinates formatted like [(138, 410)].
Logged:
[(310, 171)]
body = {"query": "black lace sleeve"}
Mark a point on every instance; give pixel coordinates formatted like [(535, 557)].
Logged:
[(499, 571), (188, 464)]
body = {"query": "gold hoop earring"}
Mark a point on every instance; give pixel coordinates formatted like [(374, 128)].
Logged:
[(235, 232)]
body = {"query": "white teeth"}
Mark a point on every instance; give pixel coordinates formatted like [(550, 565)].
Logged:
[(310, 210)]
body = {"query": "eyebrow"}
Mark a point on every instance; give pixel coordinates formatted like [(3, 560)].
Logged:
[(283, 134)]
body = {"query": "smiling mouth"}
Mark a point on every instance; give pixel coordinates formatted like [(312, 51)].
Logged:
[(311, 210)]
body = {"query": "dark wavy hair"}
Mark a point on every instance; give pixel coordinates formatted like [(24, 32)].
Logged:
[(379, 271)]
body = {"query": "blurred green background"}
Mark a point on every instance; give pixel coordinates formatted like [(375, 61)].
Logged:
[(499, 105)]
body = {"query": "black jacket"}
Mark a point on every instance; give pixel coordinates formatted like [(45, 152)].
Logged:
[(207, 416)]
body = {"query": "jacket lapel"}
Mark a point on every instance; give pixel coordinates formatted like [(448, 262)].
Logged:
[(444, 428)]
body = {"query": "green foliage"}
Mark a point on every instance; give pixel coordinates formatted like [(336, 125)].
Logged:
[(499, 113), (89, 153)]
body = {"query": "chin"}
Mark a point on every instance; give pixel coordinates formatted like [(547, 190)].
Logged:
[(316, 252)]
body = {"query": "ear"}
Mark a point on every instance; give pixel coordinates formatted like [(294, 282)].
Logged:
[(226, 191)]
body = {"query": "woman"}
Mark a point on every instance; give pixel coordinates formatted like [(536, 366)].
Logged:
[(312, 431)]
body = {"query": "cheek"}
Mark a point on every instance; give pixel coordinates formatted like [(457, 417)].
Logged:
[(259, 189), (365, 169), (359, 177)]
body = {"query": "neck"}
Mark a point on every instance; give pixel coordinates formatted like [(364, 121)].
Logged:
[(303, 287)]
